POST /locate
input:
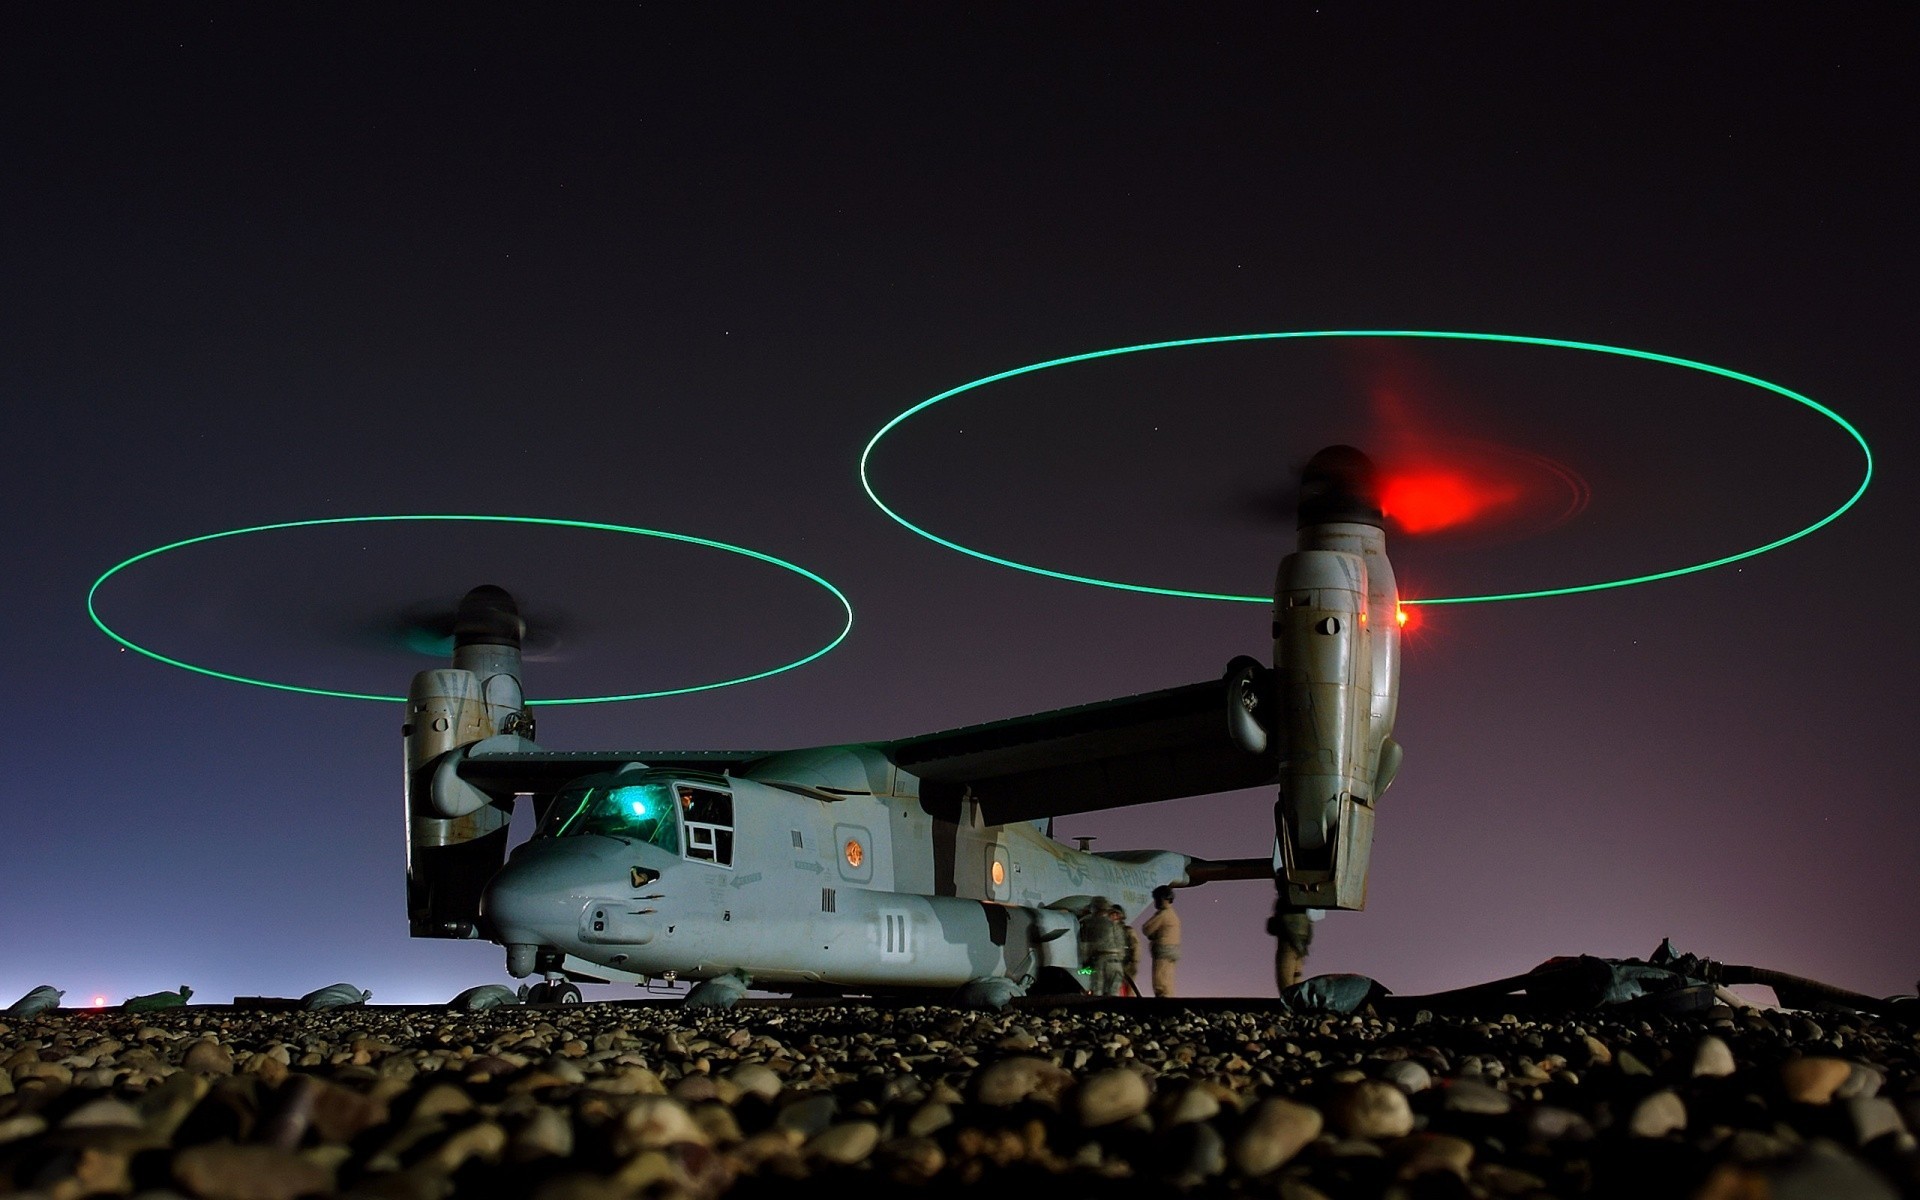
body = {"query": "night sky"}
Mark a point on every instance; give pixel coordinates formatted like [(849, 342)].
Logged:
[(673, 266)]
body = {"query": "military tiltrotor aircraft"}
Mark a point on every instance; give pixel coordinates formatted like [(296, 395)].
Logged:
[(923, 864)]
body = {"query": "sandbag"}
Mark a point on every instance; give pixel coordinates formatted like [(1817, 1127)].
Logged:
[(487, 995), (334, 995), (39, 1000), (153, 1000), (1332, 994)]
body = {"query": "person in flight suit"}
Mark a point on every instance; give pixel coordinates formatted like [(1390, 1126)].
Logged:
[(1130, 964), (1106, 942), (1163, 939)]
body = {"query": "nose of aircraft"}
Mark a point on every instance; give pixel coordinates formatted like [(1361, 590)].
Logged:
[(536, 898)]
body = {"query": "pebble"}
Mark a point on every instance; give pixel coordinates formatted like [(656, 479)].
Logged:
[(846, 1143), (209, 1057), (221, 1171), (1370, 1109), (671, 1104), (1472, 1096), (1012, 1080), (1407, 1075), (1277, 1130), (1713, 1058), (1657, 1115), (1813, 1079), (1111, 1097), (1422, 1153)]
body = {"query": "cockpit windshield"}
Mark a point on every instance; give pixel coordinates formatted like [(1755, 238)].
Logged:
[(619, 805)]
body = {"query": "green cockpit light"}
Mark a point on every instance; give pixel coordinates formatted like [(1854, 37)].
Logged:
[(616, 806)]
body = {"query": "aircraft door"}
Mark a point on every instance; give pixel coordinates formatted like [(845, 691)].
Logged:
[(999, 874)]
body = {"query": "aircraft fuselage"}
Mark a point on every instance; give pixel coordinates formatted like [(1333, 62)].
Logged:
[(787, 887)]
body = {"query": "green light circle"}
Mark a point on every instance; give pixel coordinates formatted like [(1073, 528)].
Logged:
[(601, 526), (1514, 339)]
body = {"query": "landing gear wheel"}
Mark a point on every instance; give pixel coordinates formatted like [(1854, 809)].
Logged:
[(563, 993), (537, 994)]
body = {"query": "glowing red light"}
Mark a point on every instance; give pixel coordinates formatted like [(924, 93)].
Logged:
[(1402, 616), (99, 1001), (1423, 500)]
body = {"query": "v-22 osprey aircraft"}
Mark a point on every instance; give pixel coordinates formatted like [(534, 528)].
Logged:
[(921, 865)]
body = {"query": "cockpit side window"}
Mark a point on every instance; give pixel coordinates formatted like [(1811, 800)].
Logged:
[(708, 815), (640, 810)]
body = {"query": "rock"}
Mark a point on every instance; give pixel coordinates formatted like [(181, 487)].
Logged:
[(1824, 1172), (22, 1125), (845, 1144), (1407, 1075), (223, 1171), (809, 1115), (1111, 1097), (757, 1080), (1190, 1154), (1012, 1080), (717, 1121), (1712, 1058), (1189, 1104), (105, 1112), (1549, 1123), (1275, 1131), (484, 1140), (1871, 1117), (1370, 1109), (1422, 1153), (1861, 1080), (55, 1073), (930, 1118), (912, 1161), (209, 1057), (441, 1099), (1812, 1079), (1472, 1096), (341, 1114), (1657, 1115), (547, 1134), (656, 1122)]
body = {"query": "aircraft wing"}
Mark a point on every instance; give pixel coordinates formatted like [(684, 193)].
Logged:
[(542, 771), (1132, 750)]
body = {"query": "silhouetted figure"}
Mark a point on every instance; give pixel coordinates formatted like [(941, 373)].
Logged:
[(1163, 940)]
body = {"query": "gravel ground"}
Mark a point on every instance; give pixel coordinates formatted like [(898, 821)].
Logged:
[(1124, 1099)]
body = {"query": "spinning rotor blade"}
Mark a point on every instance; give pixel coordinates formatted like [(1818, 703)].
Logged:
[(428, 628), (1438, 485)]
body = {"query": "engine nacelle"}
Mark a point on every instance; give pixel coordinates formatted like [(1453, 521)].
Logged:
[(456, 834), (1336, 664)]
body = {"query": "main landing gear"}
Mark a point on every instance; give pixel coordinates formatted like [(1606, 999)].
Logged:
[(554, 991)]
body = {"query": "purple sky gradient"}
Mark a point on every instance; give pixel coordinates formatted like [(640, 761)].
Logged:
[(673, 268)]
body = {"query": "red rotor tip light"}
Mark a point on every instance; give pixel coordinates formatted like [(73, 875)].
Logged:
[(1427, 499), (1401, 616)]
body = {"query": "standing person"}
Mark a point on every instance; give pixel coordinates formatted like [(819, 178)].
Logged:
[(1108, 947), (1292, 930), (1130, 964), (1163, 939)]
